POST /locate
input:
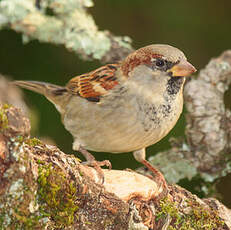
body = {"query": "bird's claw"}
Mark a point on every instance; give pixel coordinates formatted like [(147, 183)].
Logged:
[(97, 166)]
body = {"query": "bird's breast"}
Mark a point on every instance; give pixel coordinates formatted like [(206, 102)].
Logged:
[(123, 125)]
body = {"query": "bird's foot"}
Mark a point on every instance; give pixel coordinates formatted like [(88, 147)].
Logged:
[(91, 161), (100, 164), (97, 166), (158, 177)]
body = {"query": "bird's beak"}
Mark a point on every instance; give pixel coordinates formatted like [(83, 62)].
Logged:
[(182, 69)]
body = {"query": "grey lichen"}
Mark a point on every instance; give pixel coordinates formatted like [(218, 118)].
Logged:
[(69, 25), (174, 165), (135, 221), (16, 189), (19, 208), (208, 120), (17, 154)]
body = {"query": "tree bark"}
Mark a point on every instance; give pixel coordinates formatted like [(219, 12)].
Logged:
[(206, 150)]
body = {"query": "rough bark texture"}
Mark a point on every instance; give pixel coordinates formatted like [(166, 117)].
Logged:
[(206, 151), (63, 22), (208, 121), (43, 188)]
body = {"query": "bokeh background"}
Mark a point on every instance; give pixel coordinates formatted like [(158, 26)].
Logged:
[(202, 29)]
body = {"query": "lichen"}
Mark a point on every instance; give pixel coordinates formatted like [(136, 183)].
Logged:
[(19, 139), (198, 217), (57, 195), (14, 213), (19, 209), (174, 165), (70, 25), (16, 189), (3, 117), (5, 219)]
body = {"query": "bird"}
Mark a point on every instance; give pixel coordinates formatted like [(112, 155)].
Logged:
[(122, 107)]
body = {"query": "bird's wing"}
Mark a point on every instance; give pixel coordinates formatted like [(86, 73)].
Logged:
[(94, 84)]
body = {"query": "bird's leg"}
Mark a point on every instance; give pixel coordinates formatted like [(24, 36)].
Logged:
[(159, 178), (91, 161)]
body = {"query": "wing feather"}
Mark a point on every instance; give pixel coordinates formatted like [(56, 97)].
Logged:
[(94, 84)]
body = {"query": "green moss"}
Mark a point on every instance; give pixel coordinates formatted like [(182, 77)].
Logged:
[(1, 220), (5, 219), (3, 117), (33, 142), (57, 195), (19, 139), (27, 222), (40, 162), (198, 217), (168, 208)]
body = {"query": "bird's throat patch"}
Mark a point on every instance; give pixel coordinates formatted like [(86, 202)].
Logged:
[(174, 85)]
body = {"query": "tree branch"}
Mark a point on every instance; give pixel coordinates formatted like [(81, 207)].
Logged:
[(209, 121), (64, 22)]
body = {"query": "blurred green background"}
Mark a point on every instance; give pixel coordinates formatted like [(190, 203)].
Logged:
[(202, 29)]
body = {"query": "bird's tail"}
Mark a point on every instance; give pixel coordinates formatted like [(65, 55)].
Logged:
[(54, 93)]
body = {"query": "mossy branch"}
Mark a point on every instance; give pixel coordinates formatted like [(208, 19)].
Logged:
[(43, 188), (67, 22)]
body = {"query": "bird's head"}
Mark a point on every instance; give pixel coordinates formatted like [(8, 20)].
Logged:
[(163, 64), (159, 58)]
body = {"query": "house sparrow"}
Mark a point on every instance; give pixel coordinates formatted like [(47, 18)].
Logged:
[(123, 107)]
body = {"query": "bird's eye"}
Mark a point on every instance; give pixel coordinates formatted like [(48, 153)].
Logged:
[(160, 62)]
